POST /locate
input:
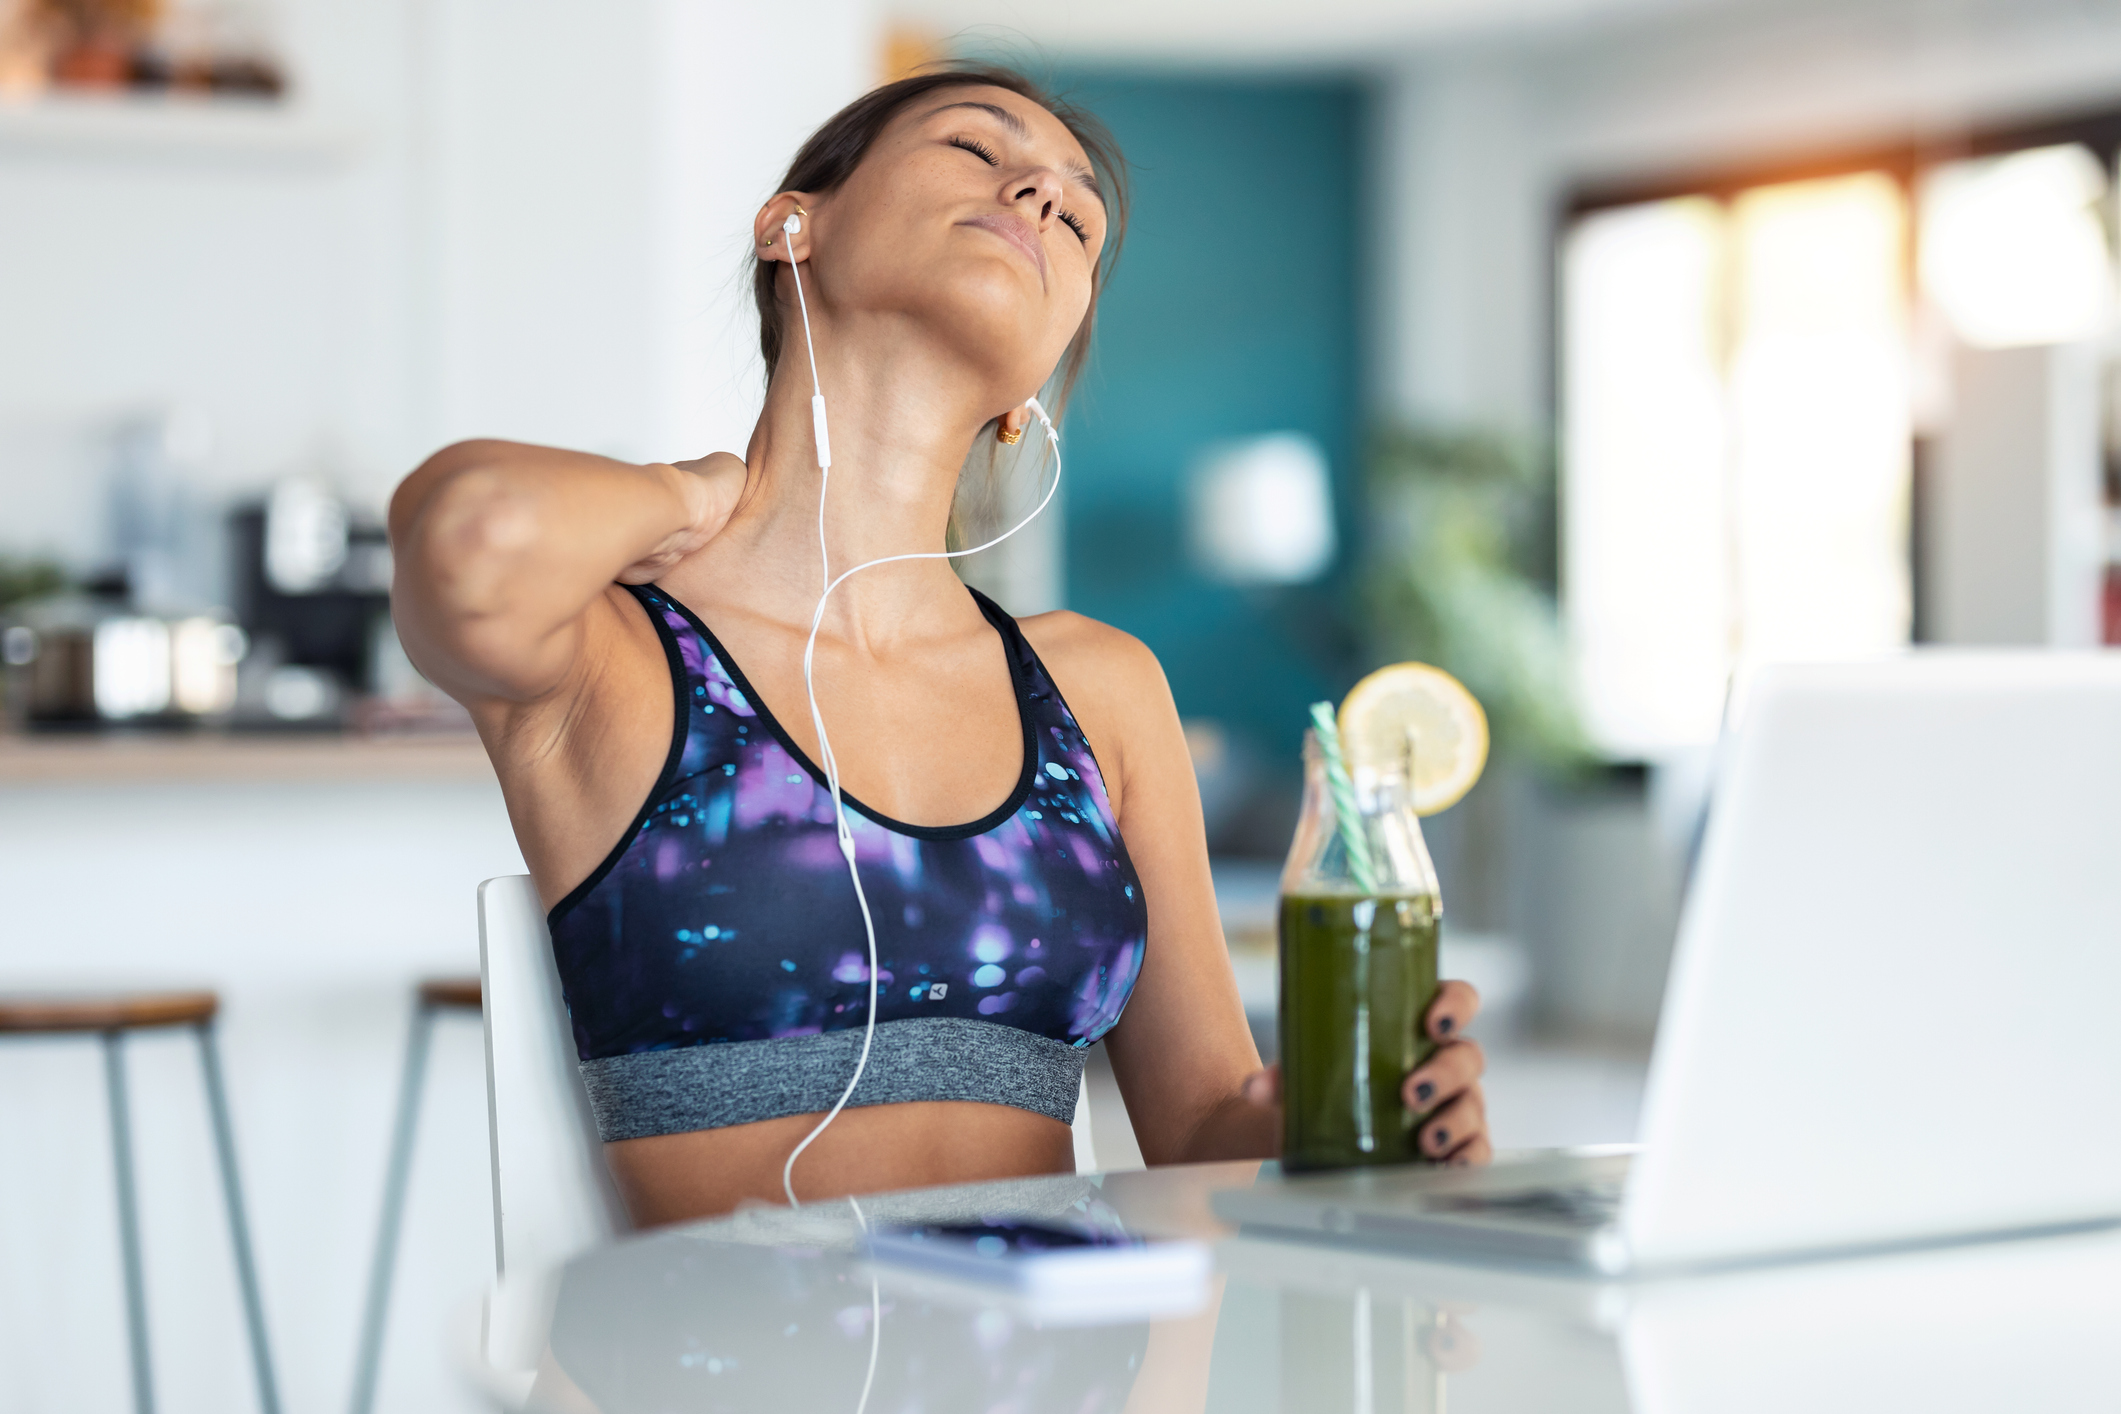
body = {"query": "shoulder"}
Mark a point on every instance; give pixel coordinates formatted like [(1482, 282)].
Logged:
[(1116, 690), (1100, 659)]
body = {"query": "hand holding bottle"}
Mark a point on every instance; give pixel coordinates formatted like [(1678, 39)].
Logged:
[(1445, 1088)]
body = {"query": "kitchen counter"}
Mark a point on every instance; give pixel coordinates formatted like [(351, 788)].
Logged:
[(121, 757)]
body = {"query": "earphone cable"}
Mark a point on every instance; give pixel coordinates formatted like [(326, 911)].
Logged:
[(830, 762), (832, 780), (876, 1315), (817, 402)]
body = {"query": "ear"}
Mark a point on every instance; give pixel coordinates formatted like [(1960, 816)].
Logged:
[(769, 235), (1016, 419)]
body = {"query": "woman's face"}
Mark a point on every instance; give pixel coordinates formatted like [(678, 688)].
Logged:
[(975, 217)]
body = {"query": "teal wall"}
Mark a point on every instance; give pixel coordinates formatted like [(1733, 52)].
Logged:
[(1232, 313)]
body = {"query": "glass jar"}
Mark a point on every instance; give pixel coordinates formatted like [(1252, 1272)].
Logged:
[(1358, 970)]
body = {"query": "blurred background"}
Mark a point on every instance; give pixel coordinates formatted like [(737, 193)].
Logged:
[(1587, 348)]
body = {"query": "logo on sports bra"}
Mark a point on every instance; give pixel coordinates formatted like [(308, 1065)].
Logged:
[(938, 990)]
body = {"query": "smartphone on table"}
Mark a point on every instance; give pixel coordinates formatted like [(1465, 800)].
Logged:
[(1036, 1260)]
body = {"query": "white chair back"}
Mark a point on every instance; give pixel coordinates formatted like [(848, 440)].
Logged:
[(552, 1195), (1085, 1146)]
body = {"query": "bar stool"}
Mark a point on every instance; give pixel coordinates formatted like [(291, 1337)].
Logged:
[(112, 1018), (434, 996)]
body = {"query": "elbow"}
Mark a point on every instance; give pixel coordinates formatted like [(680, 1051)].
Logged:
[(461, 536), (417, 493), (471, 535)]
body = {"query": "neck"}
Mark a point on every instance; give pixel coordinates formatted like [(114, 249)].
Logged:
[(901, 417)]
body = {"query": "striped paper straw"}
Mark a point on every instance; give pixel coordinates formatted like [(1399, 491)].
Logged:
[(1352, 838)]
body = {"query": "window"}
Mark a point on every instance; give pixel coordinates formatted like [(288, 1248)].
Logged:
[(1736, 445)]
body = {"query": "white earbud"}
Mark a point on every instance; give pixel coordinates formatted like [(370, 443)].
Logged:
[(817, 719), (818, 430)]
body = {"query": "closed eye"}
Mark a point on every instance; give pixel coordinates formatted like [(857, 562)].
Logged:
[(1075, 224)]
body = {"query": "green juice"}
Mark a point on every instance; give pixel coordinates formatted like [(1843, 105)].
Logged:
[(1357, 976)]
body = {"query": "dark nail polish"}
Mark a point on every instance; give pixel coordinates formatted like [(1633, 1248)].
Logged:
[(1443, 1137), (1447, 1025), (1424, 1092)]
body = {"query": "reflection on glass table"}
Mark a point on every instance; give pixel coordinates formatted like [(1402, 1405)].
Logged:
[(775, 1310)]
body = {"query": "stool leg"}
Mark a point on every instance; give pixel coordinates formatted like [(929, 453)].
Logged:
[(121, 1145), (369, 1354), (238, 1229)]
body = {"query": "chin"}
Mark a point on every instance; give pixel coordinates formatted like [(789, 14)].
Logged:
[(1000, 344), (991, 309)]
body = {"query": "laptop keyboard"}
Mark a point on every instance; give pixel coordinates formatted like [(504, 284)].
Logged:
[(1587, 1205)]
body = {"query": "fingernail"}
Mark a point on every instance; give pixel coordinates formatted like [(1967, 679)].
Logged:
[(1424, 1092), (1447, 1025), (1256, 1088)]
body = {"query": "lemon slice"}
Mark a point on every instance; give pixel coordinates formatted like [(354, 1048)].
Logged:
[(1450, 730)]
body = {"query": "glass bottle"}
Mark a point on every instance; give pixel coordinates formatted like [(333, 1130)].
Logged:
[(1358, 970)]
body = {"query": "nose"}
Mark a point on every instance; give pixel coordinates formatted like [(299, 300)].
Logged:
[(1036, 193)]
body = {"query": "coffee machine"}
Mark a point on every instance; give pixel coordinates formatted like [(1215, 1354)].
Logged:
[(312, 589)]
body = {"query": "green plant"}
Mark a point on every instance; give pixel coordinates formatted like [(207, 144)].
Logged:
[(28, 579), (1459, 573)]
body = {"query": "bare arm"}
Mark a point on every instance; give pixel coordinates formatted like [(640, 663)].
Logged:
[(502, 549), (1182, 1051)]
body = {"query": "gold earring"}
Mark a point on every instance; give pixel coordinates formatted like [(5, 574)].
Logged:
[(1007, 435), (767, 241)]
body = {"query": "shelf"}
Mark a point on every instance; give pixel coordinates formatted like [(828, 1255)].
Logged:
[(159, 127)]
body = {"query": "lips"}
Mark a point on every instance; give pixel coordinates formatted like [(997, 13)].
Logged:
[(1017, 231)]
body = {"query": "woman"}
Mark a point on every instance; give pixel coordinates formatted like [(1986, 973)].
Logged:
[(1022, 808)]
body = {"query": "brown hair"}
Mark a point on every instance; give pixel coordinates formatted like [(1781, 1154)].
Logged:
[(833, 152)]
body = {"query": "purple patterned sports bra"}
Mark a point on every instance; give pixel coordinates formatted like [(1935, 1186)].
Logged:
[(715, 966)]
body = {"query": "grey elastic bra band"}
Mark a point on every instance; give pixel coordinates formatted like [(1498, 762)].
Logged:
[(716, 1085)]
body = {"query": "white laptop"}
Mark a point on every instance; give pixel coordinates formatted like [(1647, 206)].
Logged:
[(1894, 1012)]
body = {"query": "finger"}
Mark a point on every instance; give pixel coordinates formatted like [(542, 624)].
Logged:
[(1443, 1076), (1455, 1007), (1473, 1153), (1474, 1145), (1263, 1087), (1453, 1125)]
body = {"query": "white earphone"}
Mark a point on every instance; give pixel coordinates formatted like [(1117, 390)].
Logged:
[(792, 226)]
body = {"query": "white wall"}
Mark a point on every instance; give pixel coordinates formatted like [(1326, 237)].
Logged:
[(596, 171), (1462, 190), (522, 220), (1800, 76), (1478, 144)]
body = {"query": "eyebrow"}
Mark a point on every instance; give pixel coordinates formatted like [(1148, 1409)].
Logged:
[(1076, 171)]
